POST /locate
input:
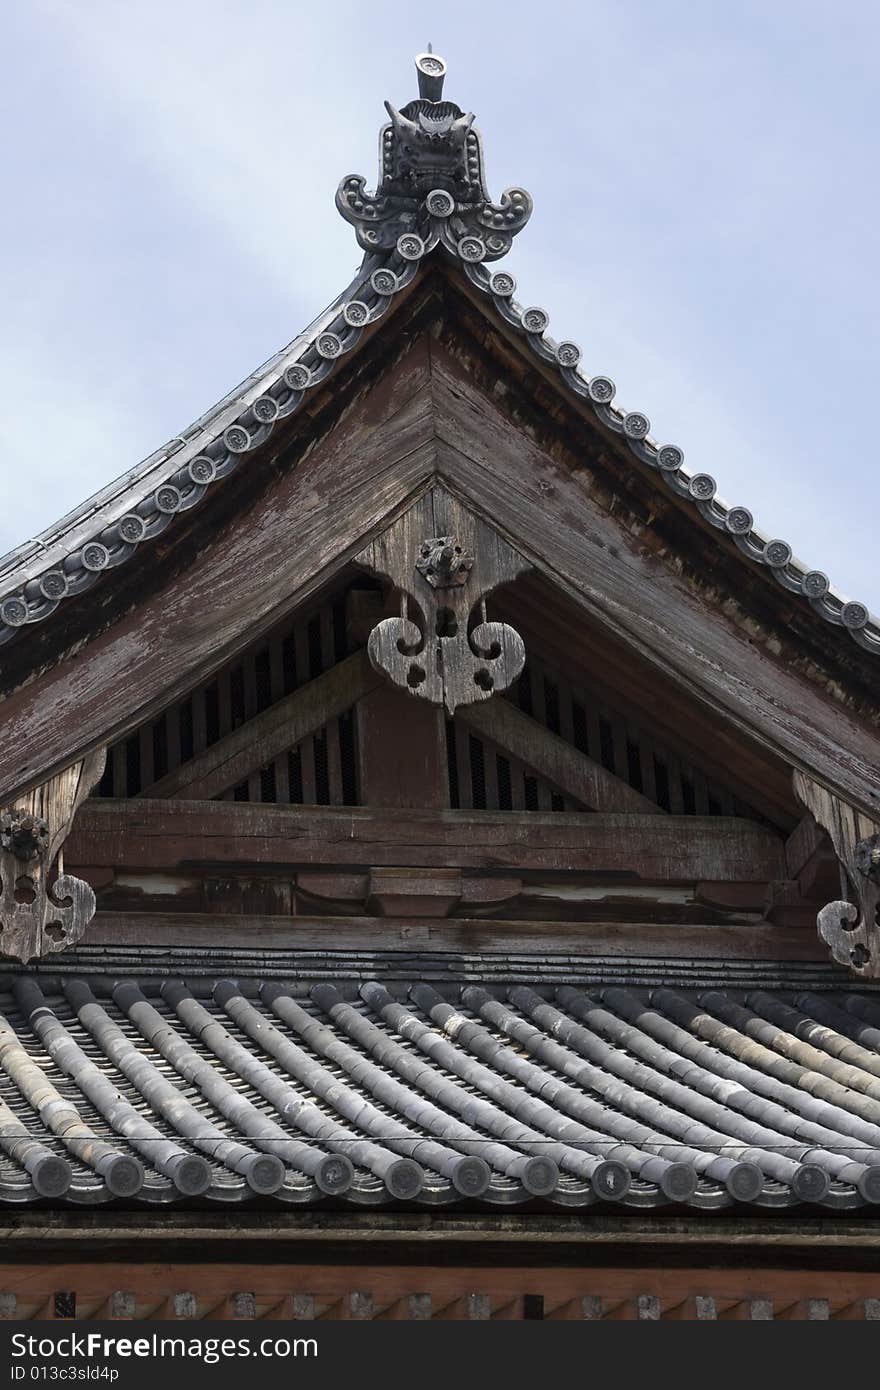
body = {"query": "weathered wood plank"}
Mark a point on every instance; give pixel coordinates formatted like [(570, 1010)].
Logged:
[(546, 753), (761, 941), (167, 834), (359, 475), (307, 1287), (281, 726), (502, 473), (401, 750)]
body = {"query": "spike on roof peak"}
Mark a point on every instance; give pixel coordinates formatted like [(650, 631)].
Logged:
[(431, 180)]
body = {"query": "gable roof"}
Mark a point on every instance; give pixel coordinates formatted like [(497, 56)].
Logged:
[(109, 528)]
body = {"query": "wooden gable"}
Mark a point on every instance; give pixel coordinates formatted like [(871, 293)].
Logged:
[(236, 670)]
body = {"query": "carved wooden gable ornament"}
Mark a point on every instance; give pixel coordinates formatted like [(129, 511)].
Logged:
[(445, 562)]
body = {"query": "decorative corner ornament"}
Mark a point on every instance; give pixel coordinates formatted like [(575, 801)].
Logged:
[(850, 926), (42, 910), (431, 168), (444, 562)]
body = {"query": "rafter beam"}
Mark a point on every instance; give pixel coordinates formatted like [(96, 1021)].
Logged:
[(276, 730), (549, 755)]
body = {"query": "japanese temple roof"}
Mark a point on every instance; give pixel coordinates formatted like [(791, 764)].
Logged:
[(120, 521), (399, 1085)]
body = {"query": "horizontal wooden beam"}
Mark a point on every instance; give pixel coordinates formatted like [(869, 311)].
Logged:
[(549, 755), (148, 834), (377, 1286), (208, 931), (277, 729)]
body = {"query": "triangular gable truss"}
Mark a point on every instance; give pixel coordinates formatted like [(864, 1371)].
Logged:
[(430, 421), (280, 725)]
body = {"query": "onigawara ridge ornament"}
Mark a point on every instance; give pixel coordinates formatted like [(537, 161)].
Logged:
[(431, 169)]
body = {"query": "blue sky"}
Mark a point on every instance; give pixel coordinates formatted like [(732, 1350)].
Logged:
[(706, 202)]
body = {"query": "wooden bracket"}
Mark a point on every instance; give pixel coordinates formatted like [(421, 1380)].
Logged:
[(849, 926), (444, 561), (40, 913)]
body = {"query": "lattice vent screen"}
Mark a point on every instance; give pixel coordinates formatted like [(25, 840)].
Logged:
[(618, 740), (289, 658)]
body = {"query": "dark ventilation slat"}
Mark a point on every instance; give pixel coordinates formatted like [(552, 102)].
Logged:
[(120, 770), (294, 776), (145, 738), (240, 792), (307, 757), (463, 765), (199, 721), (621, 758), (282, 779), (224, 685), (538, 684), (262, 681), (236, 697), (267, 783), (606, 743), (105, 786), (478, 773), (132, 765), (490, 778), (633, 765), (321, 758), (288, 662), (452, 765), (661, 780), (160, 746), (701, 792), (334, 764), (648, 778), (594, 731), (276, 669), (676, 794), (172, 721), (524, 689), (328, 637), (348, 758), (212, 714), (315, 647), (187, 739), (303, 666), (340, 633), (505, 796), (579, 727)]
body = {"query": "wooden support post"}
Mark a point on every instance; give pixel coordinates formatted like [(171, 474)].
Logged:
[(401, 750)]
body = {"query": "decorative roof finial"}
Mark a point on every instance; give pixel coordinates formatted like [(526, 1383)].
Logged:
[(431, 70), (431, 180)]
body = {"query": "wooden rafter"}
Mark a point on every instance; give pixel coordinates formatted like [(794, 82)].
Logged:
[(264, 737), (544, 752)]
